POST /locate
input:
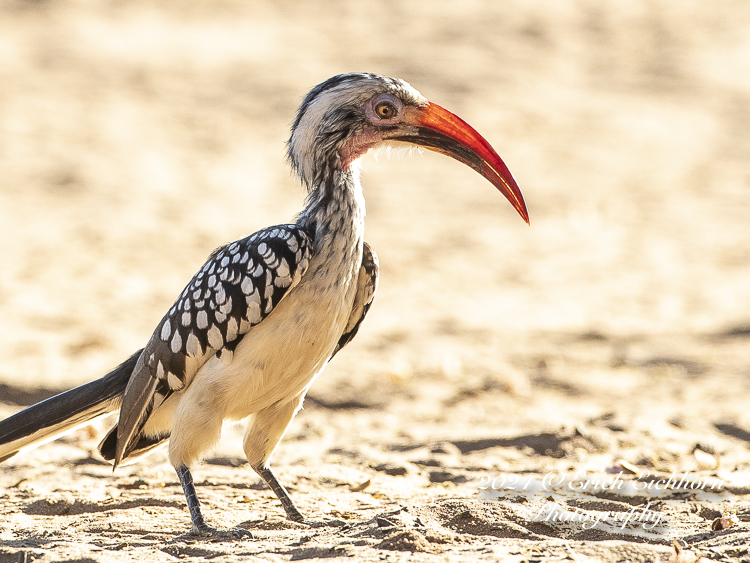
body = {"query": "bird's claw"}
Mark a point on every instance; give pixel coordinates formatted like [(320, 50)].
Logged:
[(296, 516), (211, 533), (335, 523), (242, 533)]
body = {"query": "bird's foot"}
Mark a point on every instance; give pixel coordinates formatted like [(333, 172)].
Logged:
[(209, 532), (334, 523), (293, 513)]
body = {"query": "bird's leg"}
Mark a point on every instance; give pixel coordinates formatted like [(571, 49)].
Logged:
[(200, 528), (292, 512), (262, 437), (195, 428), (194, 505)]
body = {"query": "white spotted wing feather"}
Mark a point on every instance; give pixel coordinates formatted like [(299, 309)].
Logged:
[(237, 288)]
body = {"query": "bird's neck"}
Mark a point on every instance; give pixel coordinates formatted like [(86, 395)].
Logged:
[(334, 213)]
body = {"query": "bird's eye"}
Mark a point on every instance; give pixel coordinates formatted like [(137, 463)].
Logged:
[(385, 110)]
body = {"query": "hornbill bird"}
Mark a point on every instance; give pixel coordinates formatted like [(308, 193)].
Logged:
[(260, 320)]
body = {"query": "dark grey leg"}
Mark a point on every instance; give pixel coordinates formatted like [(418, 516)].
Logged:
[(194, 505), (292, 512), (199, 524)]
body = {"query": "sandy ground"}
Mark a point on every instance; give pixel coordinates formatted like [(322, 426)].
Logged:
[(613, 335)]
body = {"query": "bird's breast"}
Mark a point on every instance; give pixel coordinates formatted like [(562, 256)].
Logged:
[(280, 357)]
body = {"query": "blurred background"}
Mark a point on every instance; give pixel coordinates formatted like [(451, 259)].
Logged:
[(135, 137)]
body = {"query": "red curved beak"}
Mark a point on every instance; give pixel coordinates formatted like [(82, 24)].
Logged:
[(442, 131)]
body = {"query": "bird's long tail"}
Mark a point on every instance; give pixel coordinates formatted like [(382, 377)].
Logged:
[(63, 413)]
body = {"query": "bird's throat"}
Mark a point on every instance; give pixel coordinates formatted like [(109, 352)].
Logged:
[(335, 219), (334, 213)]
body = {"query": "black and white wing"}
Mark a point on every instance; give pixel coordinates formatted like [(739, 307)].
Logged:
[(236, 289), (367, 284)]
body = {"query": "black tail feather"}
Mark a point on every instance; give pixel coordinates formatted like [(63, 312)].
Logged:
[(53, 417), (145, 444)]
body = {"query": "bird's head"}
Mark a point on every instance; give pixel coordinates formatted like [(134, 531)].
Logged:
[(347, 115)]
